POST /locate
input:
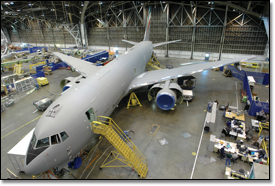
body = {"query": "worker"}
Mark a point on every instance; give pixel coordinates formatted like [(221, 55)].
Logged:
[(228, 123), (216, 102), (235, 156), (228, 158), (222, 151), (209, 106), (258, 160), (267, 118), (233, 122)]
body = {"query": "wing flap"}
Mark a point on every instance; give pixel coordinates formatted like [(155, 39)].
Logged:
[(156, 76), (80, 65)]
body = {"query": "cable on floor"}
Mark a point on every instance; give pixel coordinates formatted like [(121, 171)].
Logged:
[(97, 161), (95, 147)]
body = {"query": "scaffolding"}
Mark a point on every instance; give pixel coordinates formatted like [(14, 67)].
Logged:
[(24, 85), (124, 146)]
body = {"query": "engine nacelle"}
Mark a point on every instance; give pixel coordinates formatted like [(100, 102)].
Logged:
[(64, 82), (166, 94), (238, 66), (70, 82), (166, 99)]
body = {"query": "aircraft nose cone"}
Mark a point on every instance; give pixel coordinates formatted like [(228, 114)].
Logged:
[(37, 166)]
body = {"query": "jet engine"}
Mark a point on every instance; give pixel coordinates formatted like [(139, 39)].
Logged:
[(70, 81), (166, 94), (64, 83), (238, 66)]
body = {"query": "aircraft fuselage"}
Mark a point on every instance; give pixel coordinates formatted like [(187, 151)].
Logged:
[(98, 94)]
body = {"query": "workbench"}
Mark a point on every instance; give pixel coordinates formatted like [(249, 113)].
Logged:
[(238, 135), (230, 115)]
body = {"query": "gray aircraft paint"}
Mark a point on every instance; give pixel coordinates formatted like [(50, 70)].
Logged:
[(100, 88)]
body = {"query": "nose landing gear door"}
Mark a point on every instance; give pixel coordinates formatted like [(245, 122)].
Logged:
[(69, 151)]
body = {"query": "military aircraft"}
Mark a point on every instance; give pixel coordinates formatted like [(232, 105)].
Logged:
[(65, 127)]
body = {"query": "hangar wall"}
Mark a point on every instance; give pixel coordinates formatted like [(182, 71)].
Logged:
[(202, 30)]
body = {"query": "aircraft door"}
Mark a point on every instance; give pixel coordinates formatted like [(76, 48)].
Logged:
[(91, 115), (20, 163)]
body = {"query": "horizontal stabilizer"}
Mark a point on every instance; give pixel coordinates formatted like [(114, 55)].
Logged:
[(131, 42), (164, 43)]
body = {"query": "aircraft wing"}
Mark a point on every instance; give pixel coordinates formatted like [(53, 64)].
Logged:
[(79, 65), (156, 76), (164, 43), (131, 42)]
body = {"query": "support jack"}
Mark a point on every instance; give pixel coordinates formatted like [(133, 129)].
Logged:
[(133, 100)]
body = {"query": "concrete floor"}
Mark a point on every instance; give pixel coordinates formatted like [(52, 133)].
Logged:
[(171, 161)]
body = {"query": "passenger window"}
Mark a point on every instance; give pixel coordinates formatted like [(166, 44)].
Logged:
[(64, 136), (55, 139), (33, 140), (42, 142)]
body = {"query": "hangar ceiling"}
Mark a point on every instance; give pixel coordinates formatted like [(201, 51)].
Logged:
[(17, 12), (204, 26)]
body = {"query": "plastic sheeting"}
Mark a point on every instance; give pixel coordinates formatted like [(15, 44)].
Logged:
[(266, 79), (95, 57), (39, 74), (257, 106), (247, 88), (261, 78)]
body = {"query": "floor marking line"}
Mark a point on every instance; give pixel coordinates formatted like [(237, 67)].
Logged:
[(198, 149), (237, 95), (20, 127)]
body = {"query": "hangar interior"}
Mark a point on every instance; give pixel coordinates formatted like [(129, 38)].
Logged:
[(178, 143)]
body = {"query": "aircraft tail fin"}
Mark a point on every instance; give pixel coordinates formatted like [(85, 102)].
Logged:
[(131, 42), (148, 25), (164, 43)]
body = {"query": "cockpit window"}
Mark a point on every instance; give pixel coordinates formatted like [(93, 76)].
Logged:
[(43, 142), (55, 139), (33, 140), (64, 136)]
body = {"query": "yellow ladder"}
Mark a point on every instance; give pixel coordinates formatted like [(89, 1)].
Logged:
[(17, 69), (124, 146)]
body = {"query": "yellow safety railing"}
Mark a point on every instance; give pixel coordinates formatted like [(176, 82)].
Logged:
[(263, 126), (125, 147), (264, 146), (37, 64)]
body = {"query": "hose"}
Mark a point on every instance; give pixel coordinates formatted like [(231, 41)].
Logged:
[(95, 147), (97, 161)]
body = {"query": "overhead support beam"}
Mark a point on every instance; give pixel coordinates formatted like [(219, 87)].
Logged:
[(82, 25), (167, 30), (194, 16), (137, 12), (75, 33), (175, 14), (246, 11), (122, 23), (223, 33)]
